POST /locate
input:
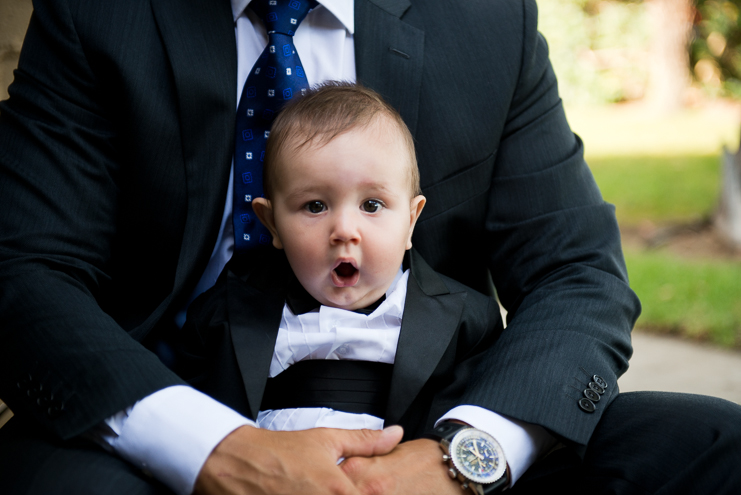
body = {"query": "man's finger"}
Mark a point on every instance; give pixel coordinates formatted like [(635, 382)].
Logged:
[(367, 443)]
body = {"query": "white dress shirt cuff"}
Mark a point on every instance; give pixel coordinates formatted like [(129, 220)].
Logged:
[(522, 442), (171, 433)]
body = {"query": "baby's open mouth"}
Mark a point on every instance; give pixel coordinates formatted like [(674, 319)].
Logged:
[(345, 275), (345, 270)]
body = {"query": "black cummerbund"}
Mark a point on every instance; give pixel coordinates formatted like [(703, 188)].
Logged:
[(350, 386)]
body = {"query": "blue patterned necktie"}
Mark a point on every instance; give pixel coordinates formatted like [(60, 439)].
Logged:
[(276, 77)]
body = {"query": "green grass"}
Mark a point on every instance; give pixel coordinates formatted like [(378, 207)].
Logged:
[(662, 189), (695, 298)]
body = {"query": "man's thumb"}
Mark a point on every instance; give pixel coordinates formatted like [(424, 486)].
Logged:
[(367, 443)]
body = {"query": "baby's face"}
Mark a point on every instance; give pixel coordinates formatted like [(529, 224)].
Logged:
[(344, 214)]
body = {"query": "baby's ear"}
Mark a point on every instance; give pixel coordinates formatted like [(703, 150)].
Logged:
[(415, 210), (264, 211)]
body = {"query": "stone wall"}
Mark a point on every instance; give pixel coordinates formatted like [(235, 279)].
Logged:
[(14, 17)]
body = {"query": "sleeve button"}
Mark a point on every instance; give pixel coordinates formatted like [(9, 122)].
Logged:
[(600, 390), (34, 390), (599, 381), (55, 409), (586, 405), (591, 395)]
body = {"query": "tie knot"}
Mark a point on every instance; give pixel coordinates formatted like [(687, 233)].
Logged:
[(282, 16)]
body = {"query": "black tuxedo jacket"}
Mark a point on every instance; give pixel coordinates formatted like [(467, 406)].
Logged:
[(227, 343), (115, 147)]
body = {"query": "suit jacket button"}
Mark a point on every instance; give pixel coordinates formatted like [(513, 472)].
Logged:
[(596, 388), (586, 405), (591, 395), (599, 381)]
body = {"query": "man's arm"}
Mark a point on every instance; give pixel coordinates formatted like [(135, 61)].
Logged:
[(63, 361), (556, 261)]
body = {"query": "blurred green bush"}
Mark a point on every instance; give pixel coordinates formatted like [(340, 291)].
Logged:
[(716, 48)]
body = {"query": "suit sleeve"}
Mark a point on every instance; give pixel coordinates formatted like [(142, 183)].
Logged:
[(63, 360), (554, 252)]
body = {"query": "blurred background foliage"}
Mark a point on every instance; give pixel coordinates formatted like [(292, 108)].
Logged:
[(602, 49), (652, 87), (716, 47), (598, 48)]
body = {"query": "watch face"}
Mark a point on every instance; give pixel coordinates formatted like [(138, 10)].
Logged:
[(477, 456)]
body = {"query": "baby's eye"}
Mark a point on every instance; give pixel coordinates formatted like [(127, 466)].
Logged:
[(315, 206), (372, 205)]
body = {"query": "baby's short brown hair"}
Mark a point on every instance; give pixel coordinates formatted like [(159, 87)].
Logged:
[(325, 112)]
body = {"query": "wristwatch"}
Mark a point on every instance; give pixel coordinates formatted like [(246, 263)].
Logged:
[(473, 456)]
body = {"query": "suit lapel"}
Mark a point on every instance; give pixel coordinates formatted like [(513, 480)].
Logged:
[(431, 317), (199, 39), (389, 54)]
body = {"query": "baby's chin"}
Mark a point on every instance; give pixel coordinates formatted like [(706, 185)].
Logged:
[(349, 298)]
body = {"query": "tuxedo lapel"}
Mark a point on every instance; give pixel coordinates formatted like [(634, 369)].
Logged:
[(389, 54), (199, 39), (431, 317), (254, 319)]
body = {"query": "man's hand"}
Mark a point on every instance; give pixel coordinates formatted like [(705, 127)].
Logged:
[(255, 461), (414, 467)]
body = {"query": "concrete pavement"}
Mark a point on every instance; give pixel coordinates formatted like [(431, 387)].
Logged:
[(670, 364)]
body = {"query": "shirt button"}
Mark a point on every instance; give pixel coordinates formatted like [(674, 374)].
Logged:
[(342, 349)]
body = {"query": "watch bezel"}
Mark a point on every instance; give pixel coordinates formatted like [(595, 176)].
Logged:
[(487, 479)]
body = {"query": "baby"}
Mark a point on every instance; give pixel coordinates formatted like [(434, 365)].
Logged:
[(310, 334)]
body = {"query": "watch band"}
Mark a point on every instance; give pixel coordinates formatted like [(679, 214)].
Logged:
[(445, 433)]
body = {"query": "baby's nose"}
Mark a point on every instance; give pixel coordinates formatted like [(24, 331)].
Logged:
[(345, 228)]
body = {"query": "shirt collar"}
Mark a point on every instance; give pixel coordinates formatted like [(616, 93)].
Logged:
[(343, 10)]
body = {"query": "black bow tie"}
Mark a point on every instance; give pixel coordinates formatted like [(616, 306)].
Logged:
[(301, 302)]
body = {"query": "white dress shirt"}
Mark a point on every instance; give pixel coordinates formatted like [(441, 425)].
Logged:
[(171, 433)]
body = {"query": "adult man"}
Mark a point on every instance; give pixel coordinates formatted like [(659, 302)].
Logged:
[(115, 151)]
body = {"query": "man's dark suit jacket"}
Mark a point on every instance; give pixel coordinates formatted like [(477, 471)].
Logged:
[(227, 343), (115, 148)]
